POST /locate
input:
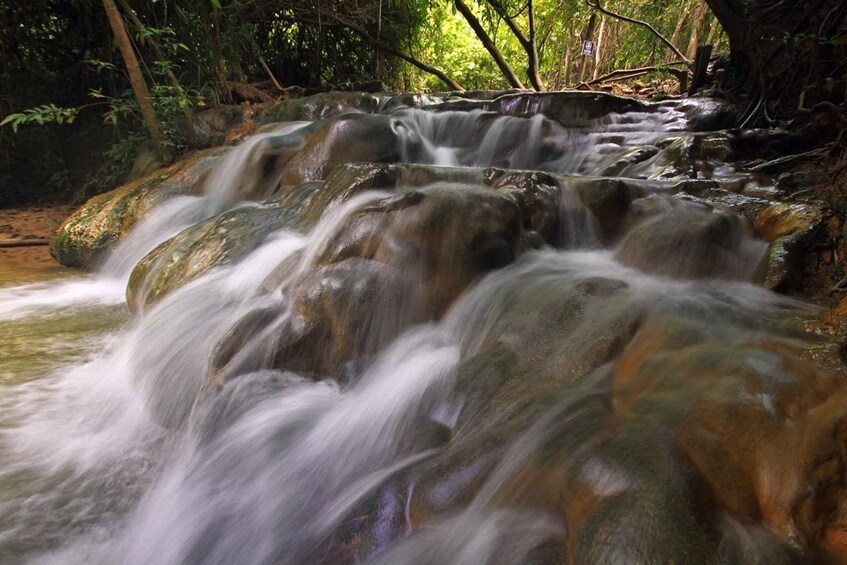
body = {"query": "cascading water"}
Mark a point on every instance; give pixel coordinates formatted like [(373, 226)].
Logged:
[(437, 371)]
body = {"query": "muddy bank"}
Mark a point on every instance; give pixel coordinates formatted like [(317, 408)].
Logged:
[(24, 233)]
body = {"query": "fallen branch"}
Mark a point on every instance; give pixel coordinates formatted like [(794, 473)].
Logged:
[(361, 32), (633, 73), (7, 243), (266, 68), (597, 6), (248, 92)]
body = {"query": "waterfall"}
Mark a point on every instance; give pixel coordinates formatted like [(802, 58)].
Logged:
[(469, 360)]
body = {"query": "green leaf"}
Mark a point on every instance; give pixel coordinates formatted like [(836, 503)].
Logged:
[(9, 119)]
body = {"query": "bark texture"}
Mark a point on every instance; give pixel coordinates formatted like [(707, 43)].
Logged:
[(136, 79)]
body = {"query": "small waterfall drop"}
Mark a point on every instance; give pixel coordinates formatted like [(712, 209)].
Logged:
[(505, 339)]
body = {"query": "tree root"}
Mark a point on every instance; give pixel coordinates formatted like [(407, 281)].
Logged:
[(777, 163)]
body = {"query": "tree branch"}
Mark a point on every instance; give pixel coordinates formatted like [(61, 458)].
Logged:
[(597, 6), (528, 43), (495, 53), (397, 53)]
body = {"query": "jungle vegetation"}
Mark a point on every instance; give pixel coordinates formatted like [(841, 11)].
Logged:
[(142, 68)]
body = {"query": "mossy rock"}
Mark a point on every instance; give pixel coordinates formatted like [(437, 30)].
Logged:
[(99, 224), (218, 241)]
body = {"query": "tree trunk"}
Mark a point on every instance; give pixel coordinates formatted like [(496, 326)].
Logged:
[(481, 34), (782, 54), (529, 44), (564, 66), (136, 79), (160, 55), (699, 22), (587, 34), (713, 32), (598, 57), (683, 19), (730, 14), (532, 52)]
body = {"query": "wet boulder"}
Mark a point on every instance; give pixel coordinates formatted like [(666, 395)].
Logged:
[(340, 314), (347, 139), (392, 261), (705, 114), (708, 439), (280, 159), (212, 126), (533, 335), (792, 230), (570, 109), (447, 235), (751, 431), (682, 239), (538, 196), (608, 200), (99, 224), (218, 241), (684, 155), (229, 237)]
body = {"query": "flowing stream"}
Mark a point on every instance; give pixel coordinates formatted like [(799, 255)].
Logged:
[(475, 424)]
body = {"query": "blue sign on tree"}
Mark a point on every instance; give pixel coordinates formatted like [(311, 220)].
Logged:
[(588, 48)]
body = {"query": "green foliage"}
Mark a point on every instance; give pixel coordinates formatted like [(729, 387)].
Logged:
[(446, 41), (116, 162), (40, 115), (122, 110), (58, 59), (466, 60), (165, 36)]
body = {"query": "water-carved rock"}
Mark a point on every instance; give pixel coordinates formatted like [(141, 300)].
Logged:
[(792, 232), (93, 230), (396, 260), (219, 241), (681, 239)]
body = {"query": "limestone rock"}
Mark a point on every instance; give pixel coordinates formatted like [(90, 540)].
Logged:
[(791, 230), (398, 260), (688, 240), (221, 240), (318, 106), (97, 226)]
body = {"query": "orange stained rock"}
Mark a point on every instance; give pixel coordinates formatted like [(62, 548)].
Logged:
[(784, 219)]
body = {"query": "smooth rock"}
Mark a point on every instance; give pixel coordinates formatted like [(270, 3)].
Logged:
[(218, 241), (96, 227), (792, 231)]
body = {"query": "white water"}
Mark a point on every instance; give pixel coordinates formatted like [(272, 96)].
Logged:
[(137, 455)]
